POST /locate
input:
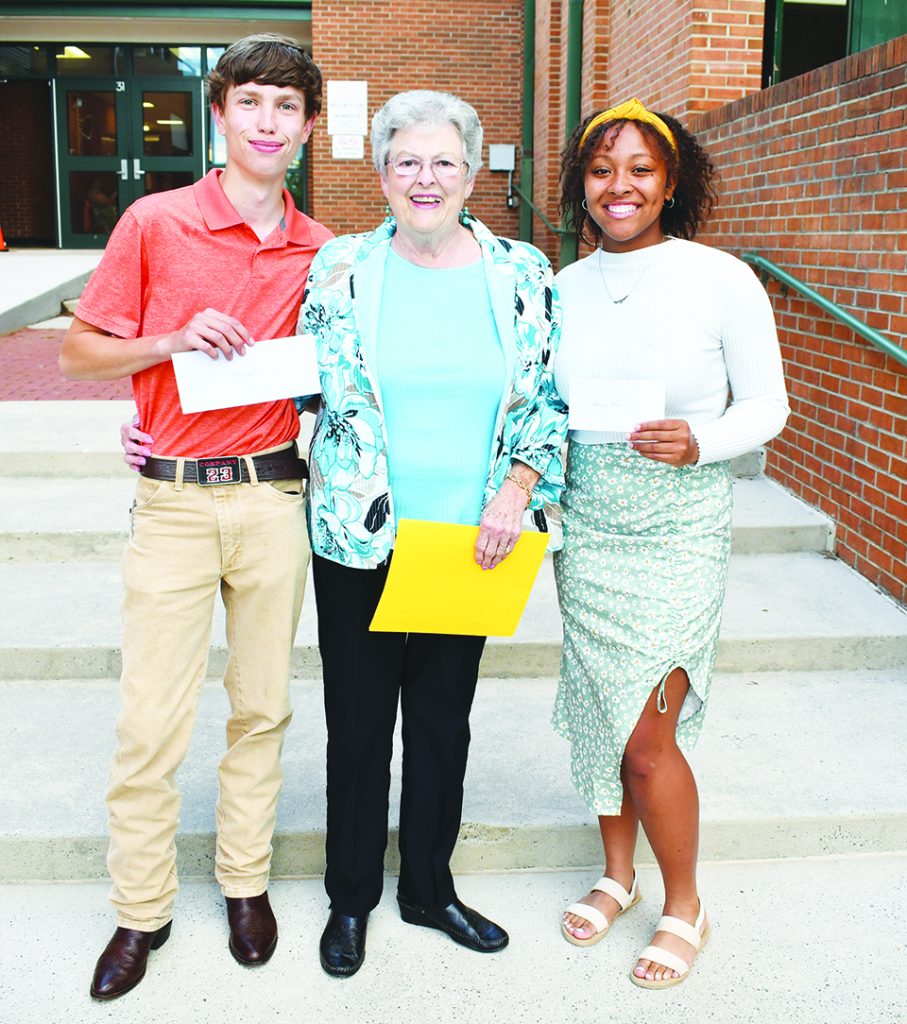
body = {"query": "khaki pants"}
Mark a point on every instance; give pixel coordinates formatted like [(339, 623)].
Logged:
[(248, 541)]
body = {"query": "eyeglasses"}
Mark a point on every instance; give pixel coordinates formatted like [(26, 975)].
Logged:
[(406, 166)]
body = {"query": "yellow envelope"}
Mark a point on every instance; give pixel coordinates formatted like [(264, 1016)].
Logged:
[(435, 586)]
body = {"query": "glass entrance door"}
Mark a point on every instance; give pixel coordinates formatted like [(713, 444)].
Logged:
[(118, 139), (169, 152)]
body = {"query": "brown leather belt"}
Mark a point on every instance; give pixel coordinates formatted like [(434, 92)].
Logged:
[(220, 470)]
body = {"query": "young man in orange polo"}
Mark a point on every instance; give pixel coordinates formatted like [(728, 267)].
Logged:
[(213, 267)]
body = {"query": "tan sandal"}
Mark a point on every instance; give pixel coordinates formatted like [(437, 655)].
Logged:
[(696, 935), (595, 917)]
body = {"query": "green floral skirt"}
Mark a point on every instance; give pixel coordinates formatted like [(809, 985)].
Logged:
[(641, 581)]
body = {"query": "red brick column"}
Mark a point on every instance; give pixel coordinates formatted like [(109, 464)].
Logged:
[(473, 50)]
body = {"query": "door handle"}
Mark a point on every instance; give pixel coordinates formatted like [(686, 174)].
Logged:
[(124, 170), (137, 172)]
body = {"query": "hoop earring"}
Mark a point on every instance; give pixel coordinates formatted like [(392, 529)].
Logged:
[(669, 203), (585, 206)]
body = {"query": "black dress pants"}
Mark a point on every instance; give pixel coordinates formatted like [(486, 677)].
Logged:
[(365, 675)]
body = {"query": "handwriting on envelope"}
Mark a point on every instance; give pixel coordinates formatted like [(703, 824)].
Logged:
[(608, 404), (270, 370)]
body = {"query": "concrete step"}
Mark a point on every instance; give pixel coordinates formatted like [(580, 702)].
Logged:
[(59, 519), (800, 611), (411, 975), (789, 765), (62, 439), (55, 323), (769, 520), (80, 439), (36, 282)]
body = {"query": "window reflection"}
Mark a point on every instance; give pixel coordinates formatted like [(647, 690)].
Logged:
[(93, 202), (213, 54), (91, 123), (163, 181), (23, 61), (167, 123), (167, 60), (89, 59), (217, 145)]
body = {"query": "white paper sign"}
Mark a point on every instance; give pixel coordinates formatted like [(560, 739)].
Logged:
[(347, 108), (606, 404), (270, 370), (347, 147)]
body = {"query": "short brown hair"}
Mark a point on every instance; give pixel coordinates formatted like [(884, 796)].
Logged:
[(267, 59)]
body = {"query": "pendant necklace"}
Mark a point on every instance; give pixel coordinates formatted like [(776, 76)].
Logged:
[(630, 291)]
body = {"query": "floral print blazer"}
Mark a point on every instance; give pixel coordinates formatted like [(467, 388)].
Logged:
[(349, 504)]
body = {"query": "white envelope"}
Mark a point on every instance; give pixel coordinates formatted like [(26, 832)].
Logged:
[(270, 370), (607, 404)]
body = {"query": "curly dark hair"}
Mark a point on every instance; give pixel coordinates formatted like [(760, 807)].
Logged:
[(689, 167)]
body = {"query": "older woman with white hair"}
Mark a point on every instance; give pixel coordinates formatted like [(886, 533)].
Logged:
[(436, 343)]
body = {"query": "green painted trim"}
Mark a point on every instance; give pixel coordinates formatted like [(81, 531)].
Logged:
[(854, 26), (779, 35), (199, 10), (573, 107), (838, 312), (127, 6), (527, 155)]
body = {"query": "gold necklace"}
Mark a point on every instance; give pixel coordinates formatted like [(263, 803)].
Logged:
[(623, 298)]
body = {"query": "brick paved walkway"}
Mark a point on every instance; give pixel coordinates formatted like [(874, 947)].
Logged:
[(29, 372)]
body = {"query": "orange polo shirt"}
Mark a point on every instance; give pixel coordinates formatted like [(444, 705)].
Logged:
[(174, 254)]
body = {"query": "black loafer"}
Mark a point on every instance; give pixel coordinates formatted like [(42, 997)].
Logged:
[(342, 946), (122, 964), (253, 929), (461, 923)]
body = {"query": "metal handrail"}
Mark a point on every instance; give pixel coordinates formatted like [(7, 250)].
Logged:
[(516, 191), (787, 280)]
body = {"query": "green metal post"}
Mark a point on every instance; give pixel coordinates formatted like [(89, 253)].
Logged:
[(527, 156), (569, 243), (777, 70)]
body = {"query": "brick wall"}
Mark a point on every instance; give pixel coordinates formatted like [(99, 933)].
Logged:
[(549, 121), (650, 53), (596, 90), (26, 167), (814, 177), (680, 56), (475, 52)]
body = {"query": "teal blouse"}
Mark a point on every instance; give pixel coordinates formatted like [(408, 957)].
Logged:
[(440, 369), (350, 504)]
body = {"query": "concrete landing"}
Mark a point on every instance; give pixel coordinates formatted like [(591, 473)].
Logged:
[(69, 439), (35, 282), (796, 611), (777, 951), (61, 519), (789, 765)]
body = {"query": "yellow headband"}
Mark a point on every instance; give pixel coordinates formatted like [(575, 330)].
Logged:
[(632, 110)]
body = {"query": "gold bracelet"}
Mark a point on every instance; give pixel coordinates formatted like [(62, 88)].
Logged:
[(526, 490)]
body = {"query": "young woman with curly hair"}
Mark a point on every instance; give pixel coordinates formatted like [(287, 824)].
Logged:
[(647, 514)]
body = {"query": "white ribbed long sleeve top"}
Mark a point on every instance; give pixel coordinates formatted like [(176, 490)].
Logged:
[(693, 316)]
